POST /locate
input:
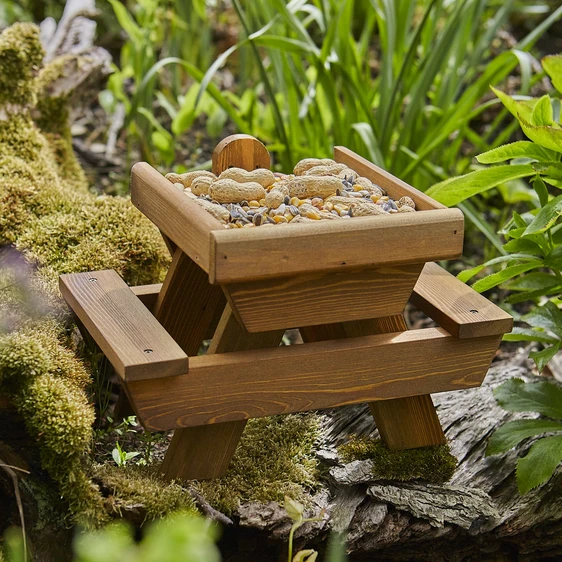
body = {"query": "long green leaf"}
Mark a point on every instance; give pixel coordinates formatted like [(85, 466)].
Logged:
[(546, 217), (512, 433), (518, 149), (454, 190), (543, 397), (553, 66), (538, 465), (498, 278)]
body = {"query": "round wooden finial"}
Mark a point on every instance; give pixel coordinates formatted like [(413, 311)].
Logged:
[(240, 151)]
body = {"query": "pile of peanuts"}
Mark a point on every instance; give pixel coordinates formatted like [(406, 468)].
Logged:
[(318, 189)]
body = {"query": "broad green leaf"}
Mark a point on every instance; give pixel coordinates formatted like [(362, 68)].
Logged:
[(554, 259), (499, 277), (543, 397), (548, 316), (546, 217), (537, 466), (540, 188), (512, 433), (552, 64), (533, 295), (454, 190), (518, 108), (549, 137), (553, 169), (556, 182), (542, 113), (519, 149), (522, 245), (529, 334), (467, 274), (532, 281), (542, 357)]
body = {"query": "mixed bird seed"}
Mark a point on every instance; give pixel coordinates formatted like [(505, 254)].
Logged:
[(318, 189)]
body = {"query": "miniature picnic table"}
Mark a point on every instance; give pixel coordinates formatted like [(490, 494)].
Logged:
[(343, 284)]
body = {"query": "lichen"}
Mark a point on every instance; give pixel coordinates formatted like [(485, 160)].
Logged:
[(433, 464), (128, 487), (274, 458)]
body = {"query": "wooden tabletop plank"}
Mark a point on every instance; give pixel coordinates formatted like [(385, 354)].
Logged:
[(247, 384), (258, 253), (182, 220), (462, 311), (394, 186), (135, 343)]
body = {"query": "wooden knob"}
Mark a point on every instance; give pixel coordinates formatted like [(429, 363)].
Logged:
[(240, 151)]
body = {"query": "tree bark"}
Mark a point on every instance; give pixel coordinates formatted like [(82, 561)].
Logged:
[(478, 515)]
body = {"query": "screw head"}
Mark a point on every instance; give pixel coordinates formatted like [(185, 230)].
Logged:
[(92, 279), (148, 351), (474, 311)]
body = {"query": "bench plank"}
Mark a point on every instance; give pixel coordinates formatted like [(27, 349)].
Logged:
[(462, 311), (135, 343), (249, 384)]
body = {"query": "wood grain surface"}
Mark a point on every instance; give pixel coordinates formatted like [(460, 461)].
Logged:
[(205, 452), (462, 311), (307, 300), (187, 303), (131, 338), (395, 187), (245, 254), (247, 384), (178, 217), (240, 151), (147, 294), (403, 423)]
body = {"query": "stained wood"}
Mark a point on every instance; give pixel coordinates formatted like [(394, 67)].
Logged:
[(245, 254), (206, 451), (240, 151), (178, 217), (394, 186), (308, 300), (147, 294), (137, 346), (187, 303), (247, 384), (403, 423), (463, 312)]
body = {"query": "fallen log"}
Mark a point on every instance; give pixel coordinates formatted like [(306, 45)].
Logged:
[(478, 515)]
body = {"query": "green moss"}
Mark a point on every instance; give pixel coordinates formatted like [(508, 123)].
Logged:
[(21, 54), (133, 485), (21, 357), (274, 458), (433, 464), (59, 412)]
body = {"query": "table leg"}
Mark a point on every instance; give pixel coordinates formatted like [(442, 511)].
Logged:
[(403, 423), (205, 452)]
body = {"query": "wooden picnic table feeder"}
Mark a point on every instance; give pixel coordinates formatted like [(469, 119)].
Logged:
[(343, 284)]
